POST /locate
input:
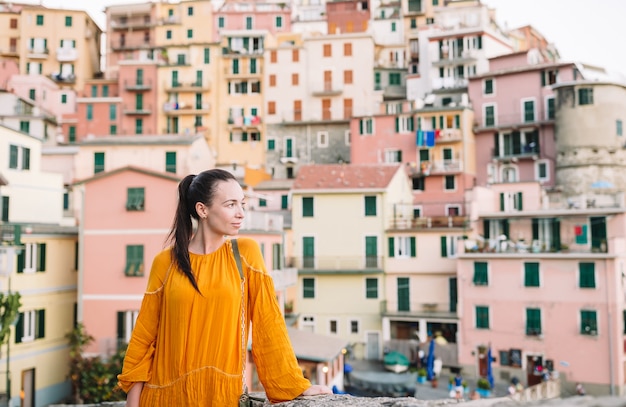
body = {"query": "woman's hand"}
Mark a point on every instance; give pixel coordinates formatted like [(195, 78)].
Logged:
[(316, 390), (132, 398)]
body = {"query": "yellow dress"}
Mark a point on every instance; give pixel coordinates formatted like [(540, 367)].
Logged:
[(186, 347)]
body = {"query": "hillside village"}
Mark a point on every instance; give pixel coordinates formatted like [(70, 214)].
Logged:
[(415, 172)]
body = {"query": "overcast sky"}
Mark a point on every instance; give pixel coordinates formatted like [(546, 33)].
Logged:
[(583, 30)]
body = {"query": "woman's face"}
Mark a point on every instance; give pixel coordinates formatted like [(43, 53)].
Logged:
[(226, 213)]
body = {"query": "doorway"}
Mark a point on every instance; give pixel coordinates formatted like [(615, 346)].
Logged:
[(27, 394)]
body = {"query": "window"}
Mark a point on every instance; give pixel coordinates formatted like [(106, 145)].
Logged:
[(533, 321), (94, 91), (550, 112), (170, 161), (404, 299), (541, 171), (134, 261), (450, 184), (13, 23), (271, 144), (308, 288), (481, 276), (295, 79), (39, 19), (531, 274), (587, 275), (332, 326), (402, 246), (90, 112), (277, 256), (138, 126), (322, 139), (248, 23), (588, 322), (64, 99), (327, 50), (125, 324), (347, 49), (19, 161), (370, 206), (549, 77), (366, 126), (190, 11), (262, 203), (32, 94), (413, 23), (30, 325), (415, 6), (113, 129), (307, 207), (354, 326), (395, 79), (393, 26), (482, 317), (511, 201), (393, 156), (528, 114), (72, 134), (448, 246), (5, 209), (284, 201), (585, 96), (112, 112), (189, 33), (32, 259), (24, 126), (207, 55), (347, 77), (273, 57), (295, 55), (279, 22), (371, 288), (135, 199), (271, 107), (619, 128), (168, 34), (489, 115), (488, 87), (220, 22)]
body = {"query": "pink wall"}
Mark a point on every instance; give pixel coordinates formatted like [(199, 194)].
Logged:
[(261, 20), (128, 78), (560, 300), (108, 228), (8, 68), (101, 123)]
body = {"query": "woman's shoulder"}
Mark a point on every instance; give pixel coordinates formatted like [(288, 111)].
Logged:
[(161, 264), (247, 245)]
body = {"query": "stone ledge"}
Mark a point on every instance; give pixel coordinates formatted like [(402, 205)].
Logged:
[(347, 400)]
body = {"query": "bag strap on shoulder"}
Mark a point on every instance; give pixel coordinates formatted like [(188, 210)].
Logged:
[(237, 256)]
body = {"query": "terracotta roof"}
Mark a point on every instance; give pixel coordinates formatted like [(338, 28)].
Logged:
[(345, 176), (146, 171)]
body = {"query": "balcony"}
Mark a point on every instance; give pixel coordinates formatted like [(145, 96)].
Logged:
[(182, 108), (38, 53), (513, 122), (258, 221), (394, 92), (439, 167), (449, 83), (449, 136), (63, 78), (10, 51), (333, 264), (460, 57), (137, 85), (137, 110), (123, 24), (120, 45), (188, 86), (244, 122), (67, 54), (327, 89), (431, 222), (419, 308)]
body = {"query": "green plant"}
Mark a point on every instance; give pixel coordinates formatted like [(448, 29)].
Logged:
[(9, 307), (94, 380), (483, 383), (451, 380), (421, 372)]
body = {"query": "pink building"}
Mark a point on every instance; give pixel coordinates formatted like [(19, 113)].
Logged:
[(541, 284), (251, 21), (126, 215), (514, 107)]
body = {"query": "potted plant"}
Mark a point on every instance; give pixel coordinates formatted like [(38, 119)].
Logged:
[(451, 383), (421, 375), (483, 387)]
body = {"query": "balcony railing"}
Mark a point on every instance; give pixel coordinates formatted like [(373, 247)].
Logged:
[(187, 86), (449, 83), (441, 166), (137, 110), (67, 54), (327, 89), (336, 263), (418, 306), (138, 85), (38, 52), (429, 222), (261, 221)]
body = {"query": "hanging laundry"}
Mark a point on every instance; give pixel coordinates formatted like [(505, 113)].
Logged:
[(420, 138), (430, 138), (247, 120), (578, 230), (437, 133)]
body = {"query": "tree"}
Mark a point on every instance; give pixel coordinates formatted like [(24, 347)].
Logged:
[(9, 308)]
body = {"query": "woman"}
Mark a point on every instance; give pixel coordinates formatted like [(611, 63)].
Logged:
[(186, 347)]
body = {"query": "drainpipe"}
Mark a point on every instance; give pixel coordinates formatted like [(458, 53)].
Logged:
[(609, 331)]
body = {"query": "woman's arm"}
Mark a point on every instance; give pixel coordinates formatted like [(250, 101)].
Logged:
[(132, 398), (316, 390)]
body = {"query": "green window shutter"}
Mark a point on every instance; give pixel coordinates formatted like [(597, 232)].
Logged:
[(531, 274), (40, 326), (370, 206), (397, 124), (433, 122), (404, 298), (170, 161), (441, 118), (482, 317), (582, 237), (361, 126), (308, 288), (307, 207), (284, 201), (19, 328), (371, 288), (588, 322), (21, 261), (413, 251), (121, 334), (533, 321), (520, 205), (587, 275), (542, 74), (501, 201), (457, 121), (392, 249), (481, 276), (444, 246), (41, 254), (98, 162), (535, 227)]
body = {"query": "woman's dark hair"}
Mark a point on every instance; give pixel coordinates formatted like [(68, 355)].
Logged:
[(192, 189)]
